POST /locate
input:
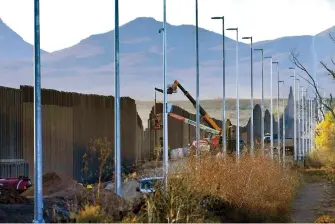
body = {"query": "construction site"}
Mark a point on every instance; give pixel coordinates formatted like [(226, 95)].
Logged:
[(72, 122)]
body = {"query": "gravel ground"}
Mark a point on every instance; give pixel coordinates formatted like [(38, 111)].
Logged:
[(24, 213)]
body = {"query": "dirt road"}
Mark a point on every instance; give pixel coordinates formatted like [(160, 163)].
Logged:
[(314, 200)]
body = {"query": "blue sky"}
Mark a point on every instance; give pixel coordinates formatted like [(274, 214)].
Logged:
[(78, 19)]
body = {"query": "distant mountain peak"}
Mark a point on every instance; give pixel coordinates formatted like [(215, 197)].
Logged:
[(145, 19), (326, 32), (142, 21), (8, 39)]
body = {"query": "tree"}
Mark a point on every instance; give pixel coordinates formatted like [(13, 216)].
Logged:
[(326, 133), (328, 104), (325, 141), (99, 151)]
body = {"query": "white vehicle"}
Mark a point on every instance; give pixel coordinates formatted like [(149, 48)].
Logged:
[(147, 185)]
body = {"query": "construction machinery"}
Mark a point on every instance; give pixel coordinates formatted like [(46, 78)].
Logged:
[(216, 132), (204, 143), (20, 183)]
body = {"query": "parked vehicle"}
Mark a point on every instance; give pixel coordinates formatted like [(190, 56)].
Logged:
[(289, 143), (147, 185), (20, 183)]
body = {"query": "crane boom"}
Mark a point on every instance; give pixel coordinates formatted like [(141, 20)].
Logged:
[(207, 118), (193, 123)]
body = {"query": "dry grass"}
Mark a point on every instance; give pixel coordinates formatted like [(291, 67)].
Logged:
[(221, 189), (86, 207), (325, 219), (89, 214), (321, 163)]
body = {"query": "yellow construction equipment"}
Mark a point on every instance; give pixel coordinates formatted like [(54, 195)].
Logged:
[(216, 139)]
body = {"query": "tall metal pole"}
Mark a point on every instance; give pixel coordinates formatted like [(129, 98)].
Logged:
[(251, 97), (306, 103), (311, 128), (306, 121), (310, 125), (262, 101), (237, 99), (278, 117), (279, 148), (323, 106), (318, 103), (306, 124), (165, 118), (224, 140), (315, 110), (117, 118), (294, 114), (155, 133), (271, 107), (299, 120), (306, 109), (302, 122), (314, 114), (38, 150), (197, 77), (252, 100), (284, 135), (271, 112)]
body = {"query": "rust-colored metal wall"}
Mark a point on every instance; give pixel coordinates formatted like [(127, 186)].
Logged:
[(11, 148), (10, 124), (69, 122), (57, 129)]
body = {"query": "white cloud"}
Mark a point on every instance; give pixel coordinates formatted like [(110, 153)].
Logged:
[(66, 22)]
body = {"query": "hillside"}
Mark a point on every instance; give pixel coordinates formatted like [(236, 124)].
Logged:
[(89, 64)]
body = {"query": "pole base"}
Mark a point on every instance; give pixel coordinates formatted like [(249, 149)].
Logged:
[(39, 221)]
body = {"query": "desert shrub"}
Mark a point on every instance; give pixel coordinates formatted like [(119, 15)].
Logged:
[(256, 188), (313, 161), (85, 205), (89, 214), (97, 204), (218, 188), (178, 204), (100, 153), (325, 219)]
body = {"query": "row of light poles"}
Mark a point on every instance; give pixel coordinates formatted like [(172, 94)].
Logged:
[(251, 93), (302, 144), (38, 202), (305, 120)]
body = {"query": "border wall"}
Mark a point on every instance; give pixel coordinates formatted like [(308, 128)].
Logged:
[(69, 122)]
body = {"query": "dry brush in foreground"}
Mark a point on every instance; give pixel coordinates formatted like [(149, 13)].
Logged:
[(220, 189)]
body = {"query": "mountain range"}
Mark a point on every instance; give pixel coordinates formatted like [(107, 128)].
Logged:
[(88, 66)]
